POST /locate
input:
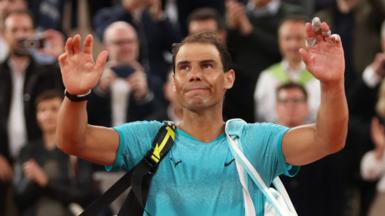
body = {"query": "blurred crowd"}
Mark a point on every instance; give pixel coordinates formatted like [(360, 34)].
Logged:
[(272, 84)]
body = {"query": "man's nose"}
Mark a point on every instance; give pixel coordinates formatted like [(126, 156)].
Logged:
[(195, 74)]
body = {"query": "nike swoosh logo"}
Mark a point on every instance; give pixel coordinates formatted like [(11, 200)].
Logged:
[(228, 163), (176, 163)]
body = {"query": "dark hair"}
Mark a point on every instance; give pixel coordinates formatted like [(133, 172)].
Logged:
[(48, 95), (20, 12), (293, 18), (205, 38), (204, 14), (291, 85)]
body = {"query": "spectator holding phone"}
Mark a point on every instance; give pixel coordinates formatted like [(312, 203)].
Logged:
[(124, 92)]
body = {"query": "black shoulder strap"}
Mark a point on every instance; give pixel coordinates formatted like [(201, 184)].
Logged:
[(139, 177)]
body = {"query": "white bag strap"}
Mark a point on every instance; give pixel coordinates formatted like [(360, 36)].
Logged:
[(245, 163)]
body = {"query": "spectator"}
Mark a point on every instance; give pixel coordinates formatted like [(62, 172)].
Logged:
[(291, 37), (123, 93), (7, 6), (21, 80), (156, 33), (206, 19), (47, 181), (373, 162), (252, 41), (317, 185), (364, 92), (358, 22)]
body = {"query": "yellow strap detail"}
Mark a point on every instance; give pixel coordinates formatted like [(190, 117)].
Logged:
[(158, 148)]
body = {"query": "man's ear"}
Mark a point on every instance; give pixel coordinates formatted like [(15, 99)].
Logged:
[(173, 82), (229, 79)]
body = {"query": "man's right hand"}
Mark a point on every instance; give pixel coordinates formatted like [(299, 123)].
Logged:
[(378, 65), (79, 70)]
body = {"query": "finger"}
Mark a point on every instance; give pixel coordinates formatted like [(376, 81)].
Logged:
[(101, 61), (334, 38), (309, 30), (76, 44), (62, 59), (305, 55), (325, 30), (67, 48), (88, 44)]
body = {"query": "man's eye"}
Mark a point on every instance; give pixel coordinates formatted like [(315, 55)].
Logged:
[(184, 67), (207, 66)]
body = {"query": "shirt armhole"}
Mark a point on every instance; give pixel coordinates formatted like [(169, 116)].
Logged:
[(288, 169), (118, 156)]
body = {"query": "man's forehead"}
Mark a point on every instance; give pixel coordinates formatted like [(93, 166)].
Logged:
[(197, 52)]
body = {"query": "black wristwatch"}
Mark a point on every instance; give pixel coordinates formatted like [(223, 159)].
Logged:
[(77, 98)]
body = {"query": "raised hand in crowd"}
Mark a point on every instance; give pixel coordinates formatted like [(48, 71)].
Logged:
[(33, 172), (54, 43), (377, 133), (79, 70), (378, 65), (236, 17), (6, 172)]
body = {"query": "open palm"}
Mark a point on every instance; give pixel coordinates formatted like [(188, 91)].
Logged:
[(325, 60), (79, 71)]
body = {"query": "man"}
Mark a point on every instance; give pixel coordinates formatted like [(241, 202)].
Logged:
[(319, 183), (123, 93), (156, 33), (46, 179), (21, 80), (206, 19), (197, 176), (291, 37), (252, 40), (291, 105)]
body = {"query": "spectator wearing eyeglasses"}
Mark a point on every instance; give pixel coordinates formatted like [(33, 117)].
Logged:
[(291, 36)]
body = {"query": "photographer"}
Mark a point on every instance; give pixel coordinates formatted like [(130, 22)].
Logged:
[(21, 80)]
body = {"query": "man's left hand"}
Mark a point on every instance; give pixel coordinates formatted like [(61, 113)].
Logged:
[(325, 59)]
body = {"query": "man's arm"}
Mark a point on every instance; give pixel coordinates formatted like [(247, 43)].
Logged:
[(308, 143), (74, 135)]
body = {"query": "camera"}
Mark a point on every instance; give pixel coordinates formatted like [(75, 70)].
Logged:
[(31, 43)]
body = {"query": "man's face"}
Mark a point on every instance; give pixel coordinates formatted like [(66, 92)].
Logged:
[(17, 27), (123, 45), (199, 79), (209, 25), (291, 38), (261, 3), (291, 107), (47, 112), (202, 26)]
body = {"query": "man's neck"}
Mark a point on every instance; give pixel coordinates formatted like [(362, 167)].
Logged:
[(49, 140), (293, 65), (19, 62), (205, 126)]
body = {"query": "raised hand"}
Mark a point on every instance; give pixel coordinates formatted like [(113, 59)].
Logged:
[(324, 58), (377, 133), (79, 70)]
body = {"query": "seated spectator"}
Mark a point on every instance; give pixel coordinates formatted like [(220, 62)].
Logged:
[(47, 181), (291, 36)]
